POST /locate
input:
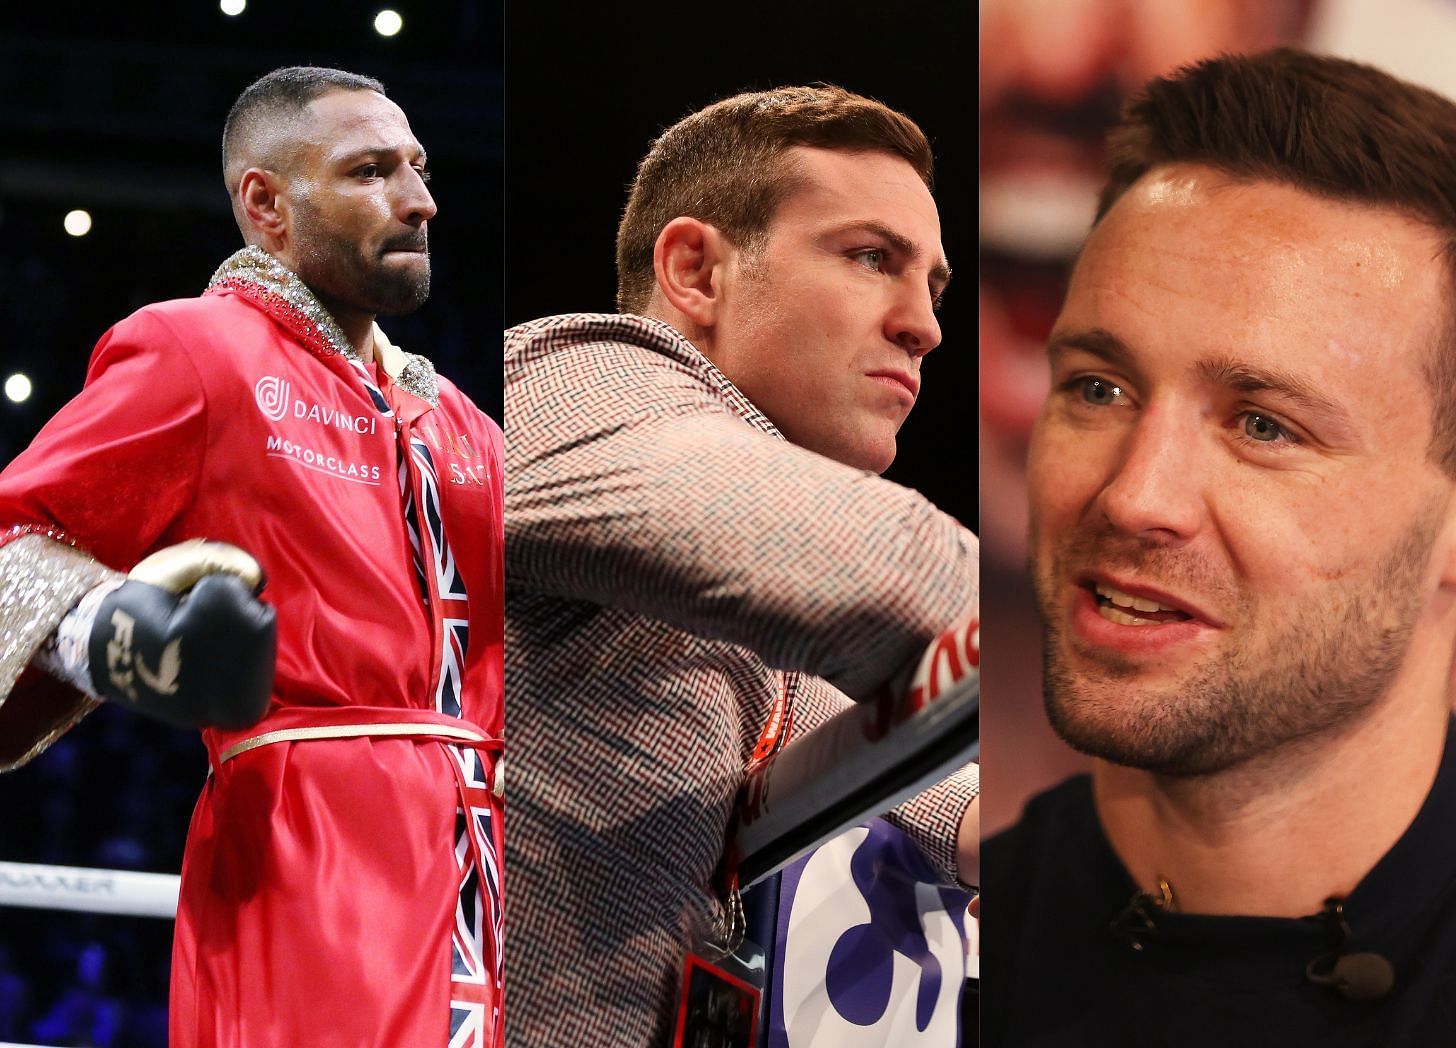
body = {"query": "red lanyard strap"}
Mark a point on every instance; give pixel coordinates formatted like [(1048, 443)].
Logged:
[(776, 729)]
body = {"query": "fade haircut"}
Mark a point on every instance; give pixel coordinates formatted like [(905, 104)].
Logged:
[(273, 101), (726, 165), (1327, 126)]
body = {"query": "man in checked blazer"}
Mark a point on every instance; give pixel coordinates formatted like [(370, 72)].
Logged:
[(697, 536)]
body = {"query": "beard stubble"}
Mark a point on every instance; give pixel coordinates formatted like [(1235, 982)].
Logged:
[(1308, 675)]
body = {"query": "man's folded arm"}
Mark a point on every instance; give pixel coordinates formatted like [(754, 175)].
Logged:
[(943, 820), (632, 485)]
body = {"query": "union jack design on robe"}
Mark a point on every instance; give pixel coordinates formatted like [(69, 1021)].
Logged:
[(476, 967), (449, 585), (411, 519), (369, 384)]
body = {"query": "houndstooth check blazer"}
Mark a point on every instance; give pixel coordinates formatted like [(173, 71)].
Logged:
[(667, 555)]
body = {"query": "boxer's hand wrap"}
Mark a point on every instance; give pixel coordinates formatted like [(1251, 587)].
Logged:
[(184, 638)]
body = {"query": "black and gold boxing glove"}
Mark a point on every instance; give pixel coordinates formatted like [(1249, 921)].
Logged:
[(185, 639)]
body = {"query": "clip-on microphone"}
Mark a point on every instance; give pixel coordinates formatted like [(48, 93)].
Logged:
[(1356, 976)]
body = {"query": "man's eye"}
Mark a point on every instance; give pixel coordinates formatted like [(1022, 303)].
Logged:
[(870, 258), (1263, 429), (367, 171), (424, 174), (1099, 391)]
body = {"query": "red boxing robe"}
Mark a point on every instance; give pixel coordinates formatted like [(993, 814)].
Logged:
[(335, 890)]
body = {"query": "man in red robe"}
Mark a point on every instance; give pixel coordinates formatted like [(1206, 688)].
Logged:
[(342, 877)]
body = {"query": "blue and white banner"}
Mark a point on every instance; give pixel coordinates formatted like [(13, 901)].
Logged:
[(870, 952)]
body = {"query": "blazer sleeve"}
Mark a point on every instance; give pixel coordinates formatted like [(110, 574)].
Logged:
[(631, 482)]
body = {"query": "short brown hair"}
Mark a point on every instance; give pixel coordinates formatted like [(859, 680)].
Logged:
[(1327, 126), (725, 165)]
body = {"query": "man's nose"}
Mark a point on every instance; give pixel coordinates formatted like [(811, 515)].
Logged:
[(1158, 488), (912, 323), (414, 205)]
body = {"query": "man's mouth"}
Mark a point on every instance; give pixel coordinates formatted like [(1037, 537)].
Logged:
[(418, 246), (909, 382), (1127, 609)]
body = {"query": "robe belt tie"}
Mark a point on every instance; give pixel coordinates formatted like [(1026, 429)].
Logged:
[(440, 730)]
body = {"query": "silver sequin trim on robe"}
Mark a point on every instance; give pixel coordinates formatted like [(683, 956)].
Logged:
[(40, 581), (253, 265)]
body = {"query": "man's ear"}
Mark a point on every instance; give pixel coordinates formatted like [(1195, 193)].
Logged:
[(264, 203), (690, 260)]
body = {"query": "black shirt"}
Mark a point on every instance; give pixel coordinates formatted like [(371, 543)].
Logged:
[(1059, 967)]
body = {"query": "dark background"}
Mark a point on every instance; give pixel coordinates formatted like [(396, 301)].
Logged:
[(120, 112), (590, 89)]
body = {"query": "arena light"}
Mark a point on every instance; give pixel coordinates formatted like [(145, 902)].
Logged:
[(388, 22), (232, 8), (18, 388), (77, 223)]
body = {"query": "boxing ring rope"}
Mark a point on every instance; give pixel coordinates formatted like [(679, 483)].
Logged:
[(124, 893), (121, 892), (864, 760)]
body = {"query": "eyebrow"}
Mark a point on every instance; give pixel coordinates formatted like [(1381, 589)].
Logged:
[(939, 271), (1245, 378), (1097, 341), (364, 152)]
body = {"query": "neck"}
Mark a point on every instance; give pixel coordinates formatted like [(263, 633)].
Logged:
[(657, 309), (1279, 834), (357, 327)]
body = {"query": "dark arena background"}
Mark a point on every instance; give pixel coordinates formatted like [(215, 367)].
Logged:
[(118, 112)]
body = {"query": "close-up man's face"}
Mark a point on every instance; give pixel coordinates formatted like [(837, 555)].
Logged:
[(828, 323), (1233, 503), (360, 205)]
